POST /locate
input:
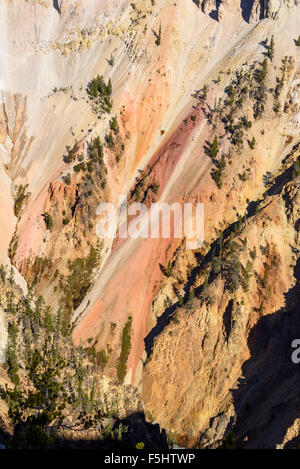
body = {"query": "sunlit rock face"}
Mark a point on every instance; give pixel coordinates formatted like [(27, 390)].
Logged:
[(182, 73)]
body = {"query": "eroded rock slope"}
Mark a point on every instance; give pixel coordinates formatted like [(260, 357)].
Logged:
[(179, 75)]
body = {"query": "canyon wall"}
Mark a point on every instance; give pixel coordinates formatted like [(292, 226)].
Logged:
[(182, 73)]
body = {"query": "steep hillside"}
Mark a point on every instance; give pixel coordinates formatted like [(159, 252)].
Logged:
[(162, 101)]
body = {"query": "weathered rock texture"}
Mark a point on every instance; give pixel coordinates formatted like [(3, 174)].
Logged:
[(49, 52), (226, 361)]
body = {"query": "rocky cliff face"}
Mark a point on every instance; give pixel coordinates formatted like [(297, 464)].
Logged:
[(252, 10), (221, 360), (181, 74), (3, 336)]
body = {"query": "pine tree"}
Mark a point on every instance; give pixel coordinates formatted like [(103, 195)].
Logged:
[(213, 151), (11, 357), (252, 143), (229, 441), (158, 38), (270, 52), (169, 269)]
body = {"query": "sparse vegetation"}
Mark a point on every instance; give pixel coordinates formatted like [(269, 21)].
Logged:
[(48, 221), (158, 37), (253, 253), (71, 154), (13, 246), (53, 398), (92, 164), (259, 93), (243, 176), (40, 267), (155, 187), (20, 200), (53, 391), (110, 140), (214, 148), (169, 270), (67, 179), (229, 441), (114, 126), (99, 359), (11, 357), (268, 178), (100, 94), (296, 169), (270, 52), (252, 143), (75, 286), (125, 349), (217, 173)]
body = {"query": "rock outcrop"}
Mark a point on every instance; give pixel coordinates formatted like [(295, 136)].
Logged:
[(207, 337), (252, 11), (256, 12), (224, 362), (270, 8)]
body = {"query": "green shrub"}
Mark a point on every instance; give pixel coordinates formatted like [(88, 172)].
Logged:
[(217, 173), (20, 199), (100, 93), (140, 445), (296, 169), (67, 179), (158, 37), (253, 253), (276, 107), (252, 143), (70, 157), (11, 358), (169, 270), (243, 177), (48, 221), (109, 140), (155, 187), (75, 286), (229, 441), (270, 52), (114, 126), (77, 168)]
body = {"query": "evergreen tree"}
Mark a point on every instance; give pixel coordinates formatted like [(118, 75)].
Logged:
[(270, 52), (214, 148), (169, 269), (158, 38), (252, 143), (229, 441)]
